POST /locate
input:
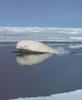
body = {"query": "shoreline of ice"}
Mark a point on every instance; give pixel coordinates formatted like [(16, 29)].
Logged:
[(72, 95)]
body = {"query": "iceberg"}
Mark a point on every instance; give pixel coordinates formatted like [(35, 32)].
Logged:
[(34, 46)]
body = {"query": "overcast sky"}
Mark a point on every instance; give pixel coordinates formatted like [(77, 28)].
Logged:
[(58, 13)]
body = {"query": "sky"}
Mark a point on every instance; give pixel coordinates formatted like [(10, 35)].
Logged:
[(57, 13)]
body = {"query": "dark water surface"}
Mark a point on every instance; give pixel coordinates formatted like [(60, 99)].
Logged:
[(55, 74)]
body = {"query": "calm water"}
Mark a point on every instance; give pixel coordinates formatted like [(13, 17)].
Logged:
[(33, 75)]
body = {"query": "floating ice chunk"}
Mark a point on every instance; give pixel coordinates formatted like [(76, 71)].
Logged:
[(34, 46)]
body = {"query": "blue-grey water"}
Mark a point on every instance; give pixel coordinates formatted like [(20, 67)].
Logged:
[(41, 75)]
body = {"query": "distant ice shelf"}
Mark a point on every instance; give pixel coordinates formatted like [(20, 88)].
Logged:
[(49, 34)]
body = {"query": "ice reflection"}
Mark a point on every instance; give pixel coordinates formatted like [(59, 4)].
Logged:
[(31, 58), (62, 49)]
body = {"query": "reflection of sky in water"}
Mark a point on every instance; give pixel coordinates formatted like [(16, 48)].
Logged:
[(73, 95)]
